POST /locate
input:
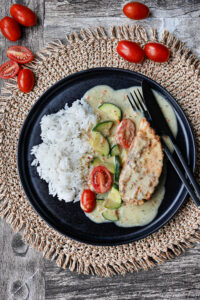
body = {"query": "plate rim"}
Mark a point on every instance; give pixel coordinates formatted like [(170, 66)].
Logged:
[(182, 191)]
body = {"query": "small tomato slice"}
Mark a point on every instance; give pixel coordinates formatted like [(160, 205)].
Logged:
[(10, 29), (136, 11), (9, 69), (23, 15), (20, 54), (26, 80), (130, 51), (101, 179), (88, 201), (157, 52), (125, 133)]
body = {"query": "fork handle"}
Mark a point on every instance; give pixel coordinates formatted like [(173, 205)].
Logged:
[(180, 174), (186, 167)]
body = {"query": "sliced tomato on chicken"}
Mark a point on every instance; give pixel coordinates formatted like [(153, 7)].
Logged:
[(88, 201), (20, 54), (9, 69), (125, 133), (101, 179)]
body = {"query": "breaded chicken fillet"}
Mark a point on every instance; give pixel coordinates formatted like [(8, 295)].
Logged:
[(143, 166)]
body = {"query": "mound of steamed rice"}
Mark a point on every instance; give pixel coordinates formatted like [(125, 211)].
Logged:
[(62, 157)]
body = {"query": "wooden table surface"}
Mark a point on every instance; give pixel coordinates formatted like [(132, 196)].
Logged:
[(24, 274)]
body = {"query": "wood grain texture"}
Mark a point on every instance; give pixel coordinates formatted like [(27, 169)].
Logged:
[(18, 263), (24, 274), (173, 280)]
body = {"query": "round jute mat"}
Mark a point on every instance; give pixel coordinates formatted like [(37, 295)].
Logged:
[(88, 49)]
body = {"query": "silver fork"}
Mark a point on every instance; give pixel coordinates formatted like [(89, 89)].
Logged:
[(137, 104)]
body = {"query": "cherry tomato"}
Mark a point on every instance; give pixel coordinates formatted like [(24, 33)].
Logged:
[(136, 11), (20, 54), (125, 133), (9, 69), (88, 201), (23, 15), (26, 80), (157, 52), (10, 29), (130, 51), (101, 179)]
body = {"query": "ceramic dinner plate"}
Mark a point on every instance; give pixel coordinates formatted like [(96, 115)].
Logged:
[(68, 218)]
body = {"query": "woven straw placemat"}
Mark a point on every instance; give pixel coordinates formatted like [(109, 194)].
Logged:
[(88, 49)]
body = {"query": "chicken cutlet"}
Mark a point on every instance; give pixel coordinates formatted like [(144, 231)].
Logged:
[(143, 166)]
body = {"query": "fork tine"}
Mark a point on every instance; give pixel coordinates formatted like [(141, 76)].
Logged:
[(142, 102), (131, 103), (138, 100), (136, 105)]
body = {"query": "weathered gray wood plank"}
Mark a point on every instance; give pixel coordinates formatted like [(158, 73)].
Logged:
[(18, 263), (113, 8), (185, 28), (21, 275), (176, 279)]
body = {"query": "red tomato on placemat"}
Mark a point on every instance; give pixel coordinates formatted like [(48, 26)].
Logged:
[(130, 51), (9, 69), (157, 52), (26, 80)]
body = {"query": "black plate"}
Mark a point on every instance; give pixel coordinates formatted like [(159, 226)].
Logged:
[(69, 219)]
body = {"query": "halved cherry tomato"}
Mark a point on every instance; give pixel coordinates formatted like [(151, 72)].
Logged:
[(130, 51), (88, 201), (101, 179), (157, 52), (9, 69), (125, 133), (10, 29), (20, 54), (136, 10), (26, 80), (23, 15)]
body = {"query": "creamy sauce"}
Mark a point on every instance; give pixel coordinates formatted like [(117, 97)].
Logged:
[(130, 215), (134, 215)]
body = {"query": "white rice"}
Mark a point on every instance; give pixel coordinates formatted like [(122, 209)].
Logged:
[(62, 156)]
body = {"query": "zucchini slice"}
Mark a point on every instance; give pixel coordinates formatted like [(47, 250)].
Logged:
[(104, 127), (99, 143), (110, 215), (114, 199), (117, 168), (111, 110), (109, 163), (114, 150)]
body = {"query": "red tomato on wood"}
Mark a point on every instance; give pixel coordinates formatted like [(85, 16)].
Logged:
[(136, 11), (26, 80), (20, 54), (101, 179), (125, 133), (10, 29), (130, 51), (9, 69), (157, 52), (88, 201), (23, 15)]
